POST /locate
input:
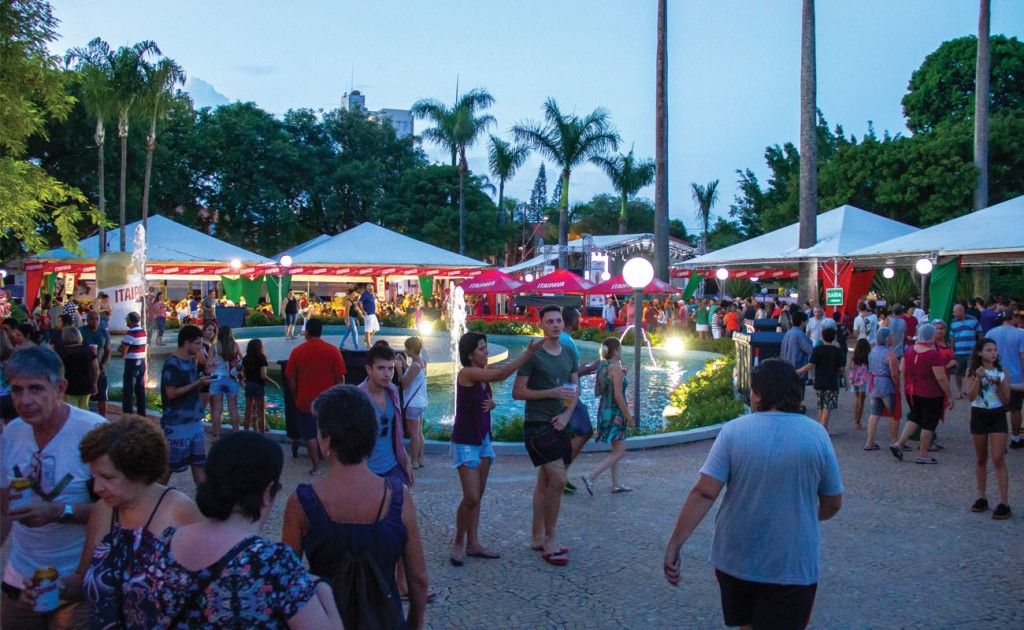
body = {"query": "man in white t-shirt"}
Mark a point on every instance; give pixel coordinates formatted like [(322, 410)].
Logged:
[(608, 314), (865, 325), (815, 324), (779, 494), (919, 313), (41, 445)]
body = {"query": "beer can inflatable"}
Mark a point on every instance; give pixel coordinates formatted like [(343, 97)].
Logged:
[(121, 279)]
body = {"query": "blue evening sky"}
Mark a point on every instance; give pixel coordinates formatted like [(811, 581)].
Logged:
[(733, 64)]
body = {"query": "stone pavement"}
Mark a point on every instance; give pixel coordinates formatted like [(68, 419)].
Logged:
[(904, 552)]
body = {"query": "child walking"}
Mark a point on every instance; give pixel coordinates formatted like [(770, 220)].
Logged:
[(857, 373), (827, 363), (254, 367)]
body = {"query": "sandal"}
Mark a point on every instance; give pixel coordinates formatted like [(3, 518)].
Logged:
[(556, 558), (873, 447), (560, 550), (618, 489), (488, 555)]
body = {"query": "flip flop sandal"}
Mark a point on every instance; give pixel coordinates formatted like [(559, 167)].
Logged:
[(558, 558), (619, 489), (561, 550), (490, 555), (873, 447)]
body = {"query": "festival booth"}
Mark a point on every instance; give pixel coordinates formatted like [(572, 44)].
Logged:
[(371, 253), (560, 282), (174, 254), (777, 255), (988, 237), (492, 285)]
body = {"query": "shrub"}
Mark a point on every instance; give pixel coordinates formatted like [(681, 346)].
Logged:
[(398, 320), (707, 398), (259, 318), (440, 432), (502, 328), (508, 429)]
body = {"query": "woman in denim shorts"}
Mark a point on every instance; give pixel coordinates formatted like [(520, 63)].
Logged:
[(226, 360), (883, 384), (472, 453)]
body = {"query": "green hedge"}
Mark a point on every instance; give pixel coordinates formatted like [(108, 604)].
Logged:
[(503, 429), (275, 417), (503, 328), (707, 398)]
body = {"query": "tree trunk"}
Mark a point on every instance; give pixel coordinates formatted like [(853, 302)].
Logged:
[(661, 149), (563, 222), (981, 89), (622, 215), (150, 147), (463, 167), (808, 152), (122, 131), (501, 220), (100, 138)]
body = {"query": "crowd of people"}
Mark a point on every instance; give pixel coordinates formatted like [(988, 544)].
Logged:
[(91, 517)]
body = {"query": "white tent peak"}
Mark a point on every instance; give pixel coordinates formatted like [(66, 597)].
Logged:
[(995, 229), (166, 240), (841, 232), (371, 244), (301, 247)]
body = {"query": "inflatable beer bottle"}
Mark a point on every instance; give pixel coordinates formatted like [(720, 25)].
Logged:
[(121, 279)]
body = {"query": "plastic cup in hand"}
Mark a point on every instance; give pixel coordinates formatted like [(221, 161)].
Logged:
[(571, 390)]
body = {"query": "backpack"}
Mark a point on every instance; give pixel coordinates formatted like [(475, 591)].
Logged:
[(362, 594)]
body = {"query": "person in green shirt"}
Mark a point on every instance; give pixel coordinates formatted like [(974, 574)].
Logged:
[(549, 384), (703, 319)]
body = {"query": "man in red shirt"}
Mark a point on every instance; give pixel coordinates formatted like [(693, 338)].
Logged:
[(313, 366), (732, 319)]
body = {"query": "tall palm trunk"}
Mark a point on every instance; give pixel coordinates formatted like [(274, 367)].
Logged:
[(563, 222), (100, 138), (661, 149), (622, 214), (463, 168), (122, 131), (808, 152), (981, 89), (150, 147)]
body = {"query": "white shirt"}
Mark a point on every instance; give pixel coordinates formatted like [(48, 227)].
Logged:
[(922, 317), (814, 327), (608, 312), (56, 544)]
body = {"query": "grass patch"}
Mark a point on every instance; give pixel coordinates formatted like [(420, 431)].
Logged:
[(707, 398)]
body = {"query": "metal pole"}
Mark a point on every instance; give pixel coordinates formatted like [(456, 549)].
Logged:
[(638, 313)]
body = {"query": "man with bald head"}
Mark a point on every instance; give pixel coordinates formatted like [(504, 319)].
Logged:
[(964, 332)]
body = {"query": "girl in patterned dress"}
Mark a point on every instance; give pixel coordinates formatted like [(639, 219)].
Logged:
[(613, 416)]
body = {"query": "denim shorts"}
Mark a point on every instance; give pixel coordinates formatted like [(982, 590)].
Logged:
[(471, 454), (882, 404), (224, 385)]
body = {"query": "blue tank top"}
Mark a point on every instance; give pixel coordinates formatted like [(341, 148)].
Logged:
[(382, 459)]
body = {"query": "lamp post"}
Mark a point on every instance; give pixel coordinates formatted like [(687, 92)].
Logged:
[(286, 261), (638, 273), (923, 267)]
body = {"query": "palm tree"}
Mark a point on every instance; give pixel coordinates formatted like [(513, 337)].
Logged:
[(808, 151), (94, 64), (504, 159), (661, 148), (628, 176), (161, 78), (568, 141), (456, 129), (129, 82), (705, 197)]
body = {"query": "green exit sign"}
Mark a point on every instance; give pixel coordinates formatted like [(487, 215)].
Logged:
[(834, 296)]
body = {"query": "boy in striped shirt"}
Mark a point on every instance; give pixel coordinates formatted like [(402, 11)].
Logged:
[(133, 349)]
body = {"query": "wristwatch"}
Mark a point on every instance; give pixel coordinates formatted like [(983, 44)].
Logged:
[(68, 515)]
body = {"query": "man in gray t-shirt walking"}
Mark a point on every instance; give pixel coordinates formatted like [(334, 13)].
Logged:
[(781, 493)]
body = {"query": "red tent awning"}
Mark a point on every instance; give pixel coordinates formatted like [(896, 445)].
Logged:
[(490, 282), (560, 281), (760, 274), (618, 286)]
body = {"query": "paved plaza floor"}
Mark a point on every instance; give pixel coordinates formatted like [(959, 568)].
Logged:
[(904, 552)]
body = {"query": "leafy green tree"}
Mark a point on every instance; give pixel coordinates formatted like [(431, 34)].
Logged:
[(705, 197), (723, 234), (35, 204), (457, 129), (128, 81), (161, 79), (94, 64), (603, 214), (942, 88), (539, 194), (628, 176), (568, 141)]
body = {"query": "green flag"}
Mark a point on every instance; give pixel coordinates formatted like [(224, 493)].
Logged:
[(692, 285), (252, 290), (232, 288), (273, 292), (426, 287), (941, 289)]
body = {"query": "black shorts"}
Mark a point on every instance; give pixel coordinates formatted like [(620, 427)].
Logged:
[(255, 389), (985, 421), (765, 606), (927, 411), (1016, 400), (306, 424), (545, 445), (101, 388)]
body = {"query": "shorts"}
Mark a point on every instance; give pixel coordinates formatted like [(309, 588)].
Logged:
[(224, 385), (395, 474), (1016, 401), (255, 389), (580, 424), (546, 445), (883, 405), (186, 445), (702, 327), (101, 388), (306, 424), (413, 413), (469, 455), (859, 389), (927, 411), (370, 324), (961, 364), (827, 398), (289, 318), (764, 605), (985, 421)]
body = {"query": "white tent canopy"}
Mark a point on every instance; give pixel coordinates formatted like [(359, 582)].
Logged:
[(994, 232), (601, 242), (841, 232), (370, 244), (301, 247), (166, 240)]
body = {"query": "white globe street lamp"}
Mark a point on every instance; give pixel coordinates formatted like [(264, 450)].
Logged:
[(286, 261), (722, 273), (638, 273), (605, 276), (923, 266), (235, 264), (888, 273), (528, 277)]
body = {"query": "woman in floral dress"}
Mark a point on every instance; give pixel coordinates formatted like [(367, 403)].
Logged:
[(613, 416)]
